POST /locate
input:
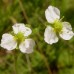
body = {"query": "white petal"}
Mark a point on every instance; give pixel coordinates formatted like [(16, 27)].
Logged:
[(52, 13), (21, 28), (50, 35), (66, 32), (8, 42), (27, 46), (27, 32)]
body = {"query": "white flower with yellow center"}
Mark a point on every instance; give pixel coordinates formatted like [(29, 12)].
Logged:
[(64, 29), (18, 39)]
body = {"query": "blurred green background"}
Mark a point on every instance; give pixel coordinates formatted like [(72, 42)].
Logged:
[(46, 59)]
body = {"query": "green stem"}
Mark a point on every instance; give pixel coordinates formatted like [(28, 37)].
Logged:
[(28, 62), (15, 63)]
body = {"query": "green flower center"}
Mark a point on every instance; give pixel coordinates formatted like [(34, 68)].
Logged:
[(19, 37), (57, 25)]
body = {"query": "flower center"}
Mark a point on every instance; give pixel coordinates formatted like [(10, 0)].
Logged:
[(19, 37), (57, 25)]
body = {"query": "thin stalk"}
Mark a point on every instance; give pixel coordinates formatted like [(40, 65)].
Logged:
[(23, 10), (28, 61), (45, 60), (15, 63)]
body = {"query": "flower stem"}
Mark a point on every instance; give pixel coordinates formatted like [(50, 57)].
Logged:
[(15, 64), (28, 62)]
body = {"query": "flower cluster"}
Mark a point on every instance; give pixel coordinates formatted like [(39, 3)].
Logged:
[(18, 39), (57, 27)]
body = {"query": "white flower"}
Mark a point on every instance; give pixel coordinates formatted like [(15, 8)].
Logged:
[(64, 29), (10, 42)]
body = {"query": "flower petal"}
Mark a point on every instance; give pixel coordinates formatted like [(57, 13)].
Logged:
[(18, 27), (21, 28), (8, 42), (52, 13), (66, 32), (50, 35), (27, 32), (27, 46)]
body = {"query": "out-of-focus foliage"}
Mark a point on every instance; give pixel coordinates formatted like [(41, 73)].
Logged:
[(46, 59)]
